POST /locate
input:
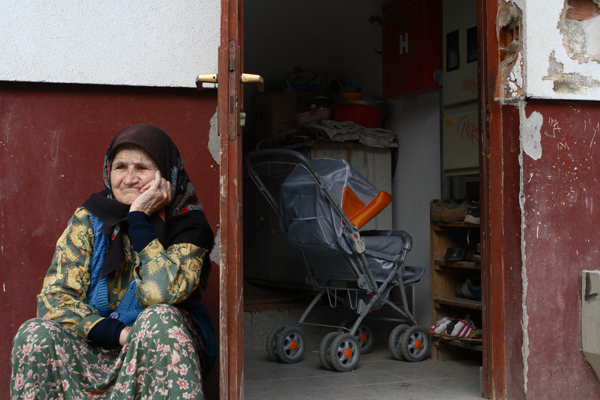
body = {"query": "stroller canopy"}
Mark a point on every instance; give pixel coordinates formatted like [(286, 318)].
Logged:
[(308, 218)]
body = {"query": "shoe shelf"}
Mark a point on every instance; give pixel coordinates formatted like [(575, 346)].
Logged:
[(456, 302), (445, 276), (443, 225), (472, 346), (438, 264)]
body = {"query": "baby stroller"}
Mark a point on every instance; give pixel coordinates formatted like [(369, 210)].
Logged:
[(322, 204)]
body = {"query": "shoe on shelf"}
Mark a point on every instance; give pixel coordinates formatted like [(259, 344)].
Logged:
[(435, 209), (440, 326), (454, 254), (473, 256), (471, 289), (473, 212), (461, 328), (454, 212)]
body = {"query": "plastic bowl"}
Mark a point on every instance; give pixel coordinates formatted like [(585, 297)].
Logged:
[(361, 114), (313, 115)]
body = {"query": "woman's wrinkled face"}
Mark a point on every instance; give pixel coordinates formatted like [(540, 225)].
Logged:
[(131, 169)]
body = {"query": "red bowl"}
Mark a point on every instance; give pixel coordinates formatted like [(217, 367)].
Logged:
[(362, 114)]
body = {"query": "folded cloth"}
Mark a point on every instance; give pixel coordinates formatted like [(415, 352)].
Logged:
[(348, 131)]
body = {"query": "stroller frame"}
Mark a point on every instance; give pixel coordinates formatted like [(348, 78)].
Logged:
[(287, 348)]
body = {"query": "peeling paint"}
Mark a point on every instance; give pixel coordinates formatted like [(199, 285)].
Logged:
[(567, 82), (530, 135), (525, 320), (509, 21), (215, 254), (515, 78), (579, 25), (214, 143)]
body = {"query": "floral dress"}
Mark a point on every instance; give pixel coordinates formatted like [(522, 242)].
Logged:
[(164, 354)]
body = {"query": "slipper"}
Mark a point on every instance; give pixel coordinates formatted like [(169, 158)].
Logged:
[(440, 326)]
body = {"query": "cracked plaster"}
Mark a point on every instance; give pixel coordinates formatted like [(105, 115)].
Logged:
[(549, 41)]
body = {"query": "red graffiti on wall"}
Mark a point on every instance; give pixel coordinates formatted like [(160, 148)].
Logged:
[(469, 85), (468, 130)]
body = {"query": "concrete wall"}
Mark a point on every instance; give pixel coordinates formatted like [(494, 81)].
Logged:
[(113, 42), (417, 180)]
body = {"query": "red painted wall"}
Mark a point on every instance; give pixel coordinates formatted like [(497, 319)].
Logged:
[(562, 219), (511, 247), (52, 143)]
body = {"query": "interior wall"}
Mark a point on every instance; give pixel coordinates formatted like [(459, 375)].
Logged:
[(417, 180)]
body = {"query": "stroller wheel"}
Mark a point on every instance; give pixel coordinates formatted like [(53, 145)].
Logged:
[(364, 335), (324, 354), (272, 343), (344, 352), (415, 344), (291, 345), (395, 341)]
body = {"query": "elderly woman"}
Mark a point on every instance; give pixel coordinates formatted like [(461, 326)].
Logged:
[(119, 314)]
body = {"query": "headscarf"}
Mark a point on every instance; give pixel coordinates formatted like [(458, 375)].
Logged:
[(182, 221)]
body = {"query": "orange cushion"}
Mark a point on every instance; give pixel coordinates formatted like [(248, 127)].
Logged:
[(359, 213)]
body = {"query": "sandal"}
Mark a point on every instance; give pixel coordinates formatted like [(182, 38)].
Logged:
[(440, 326)]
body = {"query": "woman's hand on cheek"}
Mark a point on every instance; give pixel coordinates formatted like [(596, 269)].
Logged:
[(154, 196)]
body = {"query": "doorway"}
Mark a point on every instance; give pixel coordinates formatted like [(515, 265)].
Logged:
[(343, 42)]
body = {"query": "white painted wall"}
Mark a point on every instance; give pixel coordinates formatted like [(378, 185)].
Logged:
[(417, 180), (543, 39), (114, 42)]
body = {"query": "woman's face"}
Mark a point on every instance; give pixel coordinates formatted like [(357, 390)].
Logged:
[(131, 169)]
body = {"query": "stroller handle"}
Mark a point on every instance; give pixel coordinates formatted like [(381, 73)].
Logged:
[(272, 152), (305, 162), (277, 152)]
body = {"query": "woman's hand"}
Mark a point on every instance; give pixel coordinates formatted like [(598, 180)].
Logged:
[(123, 335), (154, 196)]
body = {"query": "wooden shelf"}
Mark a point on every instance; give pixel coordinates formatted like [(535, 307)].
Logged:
[(439, 226), (446, 276), (458, 302), (457, 264), (466, 345)]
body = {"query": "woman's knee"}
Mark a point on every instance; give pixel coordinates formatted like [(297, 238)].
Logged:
[(160, 315), (36, 326)]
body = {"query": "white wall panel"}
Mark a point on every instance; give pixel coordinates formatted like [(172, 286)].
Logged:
[(115, 42)]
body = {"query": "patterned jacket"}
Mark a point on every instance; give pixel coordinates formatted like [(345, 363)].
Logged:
[(162, 275)]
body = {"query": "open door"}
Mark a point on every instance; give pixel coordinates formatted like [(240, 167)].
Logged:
[(230, 98), (231, 347)]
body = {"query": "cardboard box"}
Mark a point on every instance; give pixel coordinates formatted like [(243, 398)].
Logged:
[(275, 112)]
